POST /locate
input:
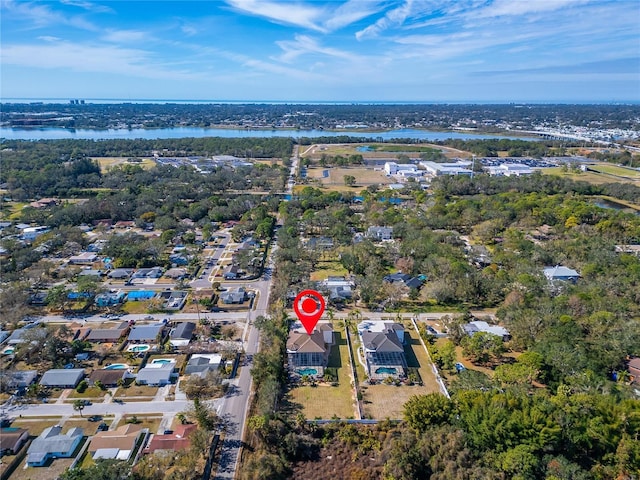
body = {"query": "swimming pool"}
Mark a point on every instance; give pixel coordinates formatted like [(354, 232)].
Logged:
[(138, 348), (163, 360), (117, 366), (387, 370), (8, 351), (308, 371)]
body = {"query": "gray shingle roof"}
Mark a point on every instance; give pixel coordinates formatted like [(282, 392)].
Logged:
[(62, 377), (144, 333)]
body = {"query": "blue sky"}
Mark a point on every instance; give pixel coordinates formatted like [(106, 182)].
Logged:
[(353, 51)]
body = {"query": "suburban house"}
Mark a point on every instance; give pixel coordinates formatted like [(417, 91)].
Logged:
[(405, 279), (62, 377), (145, 333), (110, 298), (84, 258), (147, 273), (120, 273), (379, 233), (17, 335), (181, 334), (634, 370), (176, 273), (383, 349), (53, 444), (320, 243), (309, 354), (237, 296), (118, 444), (232, 273), (108, 377), (19, 379), (201, 364), (29, 234), (155, 374), (11, 440), (338, 288), (561, 273), (178, 259), (108, 335), (173, 300), (178, 440), (479, 326)]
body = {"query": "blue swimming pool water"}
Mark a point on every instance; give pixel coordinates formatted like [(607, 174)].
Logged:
[(389, 370), (308, 371), (162, 360), (116, 366)]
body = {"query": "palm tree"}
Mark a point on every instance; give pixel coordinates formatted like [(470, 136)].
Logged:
[(78, 406)]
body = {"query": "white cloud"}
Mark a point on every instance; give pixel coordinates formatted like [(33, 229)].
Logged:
[(523, 7), (48, 38), (352, 11), (303, 45), (124, 36), (393, 18), (293, 14), (89, 58), (93, 7), (41, 15)]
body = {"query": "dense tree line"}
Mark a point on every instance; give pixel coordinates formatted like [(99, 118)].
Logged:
[(487, 117)]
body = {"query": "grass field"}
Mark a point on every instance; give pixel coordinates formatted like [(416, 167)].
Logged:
[(108, 162), (616, 170), (328, 268), (598, 174), (36, 425), (325, 401), (363, 176), (381, 150)]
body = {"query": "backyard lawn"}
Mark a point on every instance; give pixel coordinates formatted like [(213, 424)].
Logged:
[(325, 401)]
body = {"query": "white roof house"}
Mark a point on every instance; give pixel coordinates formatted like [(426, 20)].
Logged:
[(457, 168), (560, 272)]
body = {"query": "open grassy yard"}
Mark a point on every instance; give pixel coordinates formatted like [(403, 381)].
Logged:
[(89, 393), (134, 390), (136, 306), (36, 425), (386, 401), (150, 421), (109, 162), (325, 269), (325, 401), (364, 176)]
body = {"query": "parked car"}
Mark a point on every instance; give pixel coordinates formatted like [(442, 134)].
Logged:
[(102, 427), (95, 418)]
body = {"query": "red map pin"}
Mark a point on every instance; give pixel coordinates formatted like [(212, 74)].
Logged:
[(309, 307)]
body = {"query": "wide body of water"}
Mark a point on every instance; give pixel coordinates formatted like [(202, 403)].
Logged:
[(189, 132)]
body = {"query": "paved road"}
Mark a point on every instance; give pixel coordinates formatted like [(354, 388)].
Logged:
[(236, 403)]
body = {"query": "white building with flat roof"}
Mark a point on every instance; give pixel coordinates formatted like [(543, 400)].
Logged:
[(510, 170), (437, 169), (401, 169)]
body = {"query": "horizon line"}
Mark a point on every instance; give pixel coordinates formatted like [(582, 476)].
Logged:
[(56, 100)]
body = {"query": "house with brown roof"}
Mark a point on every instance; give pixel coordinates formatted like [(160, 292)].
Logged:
[(108, 377), (108, 335), (178, 440), (117, 444), (634, 370), (309, 354), (12, 440)]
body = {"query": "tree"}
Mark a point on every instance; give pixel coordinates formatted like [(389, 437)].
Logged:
[(423, 411), (349, 180), (102, 470), (482, 346), (78, 406), (57, 297)]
